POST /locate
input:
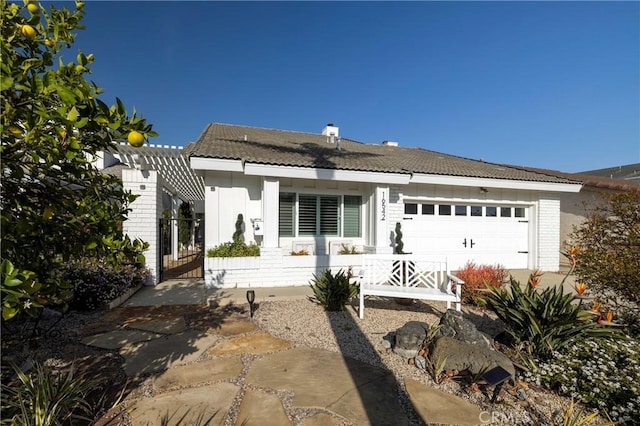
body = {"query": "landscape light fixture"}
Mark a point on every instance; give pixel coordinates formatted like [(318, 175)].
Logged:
[(496, 377), (251, 297)]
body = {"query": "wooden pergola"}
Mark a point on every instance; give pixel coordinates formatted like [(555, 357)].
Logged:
[(170, 164)]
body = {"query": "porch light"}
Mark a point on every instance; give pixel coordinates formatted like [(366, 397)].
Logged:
[(251, 297)]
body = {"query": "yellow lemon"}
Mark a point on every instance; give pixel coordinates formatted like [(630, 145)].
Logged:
[(33, 8), (28, 32), (136, 138)]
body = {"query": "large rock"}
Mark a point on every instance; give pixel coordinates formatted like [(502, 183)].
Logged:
[(410, 338), (468, 356), (453, 324)]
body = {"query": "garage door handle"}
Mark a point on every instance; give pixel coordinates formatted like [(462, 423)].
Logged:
[(523, 252), (472, 243), (464, 243)]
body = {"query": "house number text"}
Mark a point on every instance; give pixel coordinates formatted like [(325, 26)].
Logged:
[(383, 208)]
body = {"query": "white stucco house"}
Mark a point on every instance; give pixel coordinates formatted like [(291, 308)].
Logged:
[(320, 191)]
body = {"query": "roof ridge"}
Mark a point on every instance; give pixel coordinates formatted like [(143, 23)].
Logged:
[(265, 128)]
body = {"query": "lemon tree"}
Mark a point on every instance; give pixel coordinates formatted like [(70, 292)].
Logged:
[(56, 205)]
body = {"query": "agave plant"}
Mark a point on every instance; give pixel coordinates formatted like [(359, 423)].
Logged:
[(333, 291), (543, 321)]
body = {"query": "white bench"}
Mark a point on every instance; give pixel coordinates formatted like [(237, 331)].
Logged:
[(408, 276)]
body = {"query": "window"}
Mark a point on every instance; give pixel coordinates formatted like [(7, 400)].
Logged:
[(351, 222), (476, 210), (518, 212), (491, 211), (410, 208), (461, 210), (287, 217), (329, 216), (505, 211), (307, 217), (429, 209), (444, 210), (319, 215)]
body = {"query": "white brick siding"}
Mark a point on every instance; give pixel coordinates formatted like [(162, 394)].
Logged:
[(142, 220), (548, 232)]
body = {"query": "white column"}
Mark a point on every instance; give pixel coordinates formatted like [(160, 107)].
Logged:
[(382, 220), (174, 227), (270, 211)]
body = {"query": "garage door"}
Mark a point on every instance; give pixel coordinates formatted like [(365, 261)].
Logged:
[(484, 234)]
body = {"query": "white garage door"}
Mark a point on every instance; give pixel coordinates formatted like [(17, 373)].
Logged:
[(484, 234)]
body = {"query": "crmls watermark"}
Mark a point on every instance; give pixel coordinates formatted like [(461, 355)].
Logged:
[(500, 418)]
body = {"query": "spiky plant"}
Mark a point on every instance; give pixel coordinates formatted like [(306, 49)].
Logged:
[(333, 291)]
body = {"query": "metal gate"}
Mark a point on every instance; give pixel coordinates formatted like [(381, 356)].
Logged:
[(181, 248)]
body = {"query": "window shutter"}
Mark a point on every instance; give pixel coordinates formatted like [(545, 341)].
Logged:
[(307, 215), (329, 216), (351, 217), (286, 209)]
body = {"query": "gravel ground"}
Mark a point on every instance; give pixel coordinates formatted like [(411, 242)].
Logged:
[(305, 323)]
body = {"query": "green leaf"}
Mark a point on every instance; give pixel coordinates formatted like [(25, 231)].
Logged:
[(72, 115), (8, 312), (82, 122), (6, 82), (66, 95), (39, 85)]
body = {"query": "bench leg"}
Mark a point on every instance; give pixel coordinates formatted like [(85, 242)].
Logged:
[(448, 305), (361, 310)]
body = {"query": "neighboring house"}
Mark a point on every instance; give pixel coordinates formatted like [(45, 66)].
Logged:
[(574, 207), (321, 191), (626, 172)]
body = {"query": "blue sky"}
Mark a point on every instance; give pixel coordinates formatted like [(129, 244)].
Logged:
[(543, 84)]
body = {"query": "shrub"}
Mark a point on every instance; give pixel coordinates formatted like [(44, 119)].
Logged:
[(43, 398), (609, 259), (347, 249), (543, 321), (237, 247), (399, 248), (478, 278), (234, 250), (301, 252), (603, 373), (333, 291), (96, 284)]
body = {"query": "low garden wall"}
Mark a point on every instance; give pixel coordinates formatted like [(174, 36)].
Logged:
[(272, 269)]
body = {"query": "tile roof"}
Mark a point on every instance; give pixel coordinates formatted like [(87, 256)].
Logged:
[(289, 148), (593, 181), (627, 171)]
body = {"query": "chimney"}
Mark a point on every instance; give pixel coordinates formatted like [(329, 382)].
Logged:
[(389, 143), (331, 130)]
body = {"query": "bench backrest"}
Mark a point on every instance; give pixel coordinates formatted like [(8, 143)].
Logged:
[(404, 270)]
